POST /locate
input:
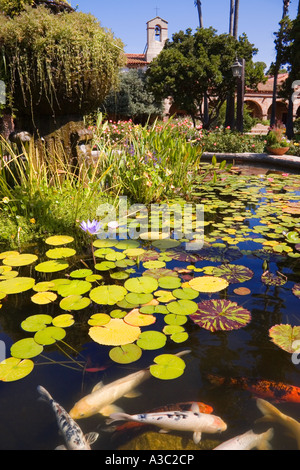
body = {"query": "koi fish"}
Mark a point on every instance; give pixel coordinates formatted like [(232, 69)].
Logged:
[(102, 397), (73, 435), (271, 413), (190, 421), (247, 441), (275, 391), (186, 406)]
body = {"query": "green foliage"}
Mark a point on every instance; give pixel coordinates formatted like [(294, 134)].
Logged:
[(192, 66), (14, 7), (131, 99), (49, 61), (276, 137)]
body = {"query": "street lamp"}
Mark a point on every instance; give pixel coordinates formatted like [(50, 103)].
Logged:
[(238, 71)]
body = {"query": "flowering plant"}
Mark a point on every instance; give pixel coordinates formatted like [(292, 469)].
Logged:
[(276, 137)]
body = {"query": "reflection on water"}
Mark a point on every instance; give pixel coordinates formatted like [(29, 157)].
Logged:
[(247, 352)]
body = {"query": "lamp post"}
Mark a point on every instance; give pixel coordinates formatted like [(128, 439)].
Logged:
[(238, 71)]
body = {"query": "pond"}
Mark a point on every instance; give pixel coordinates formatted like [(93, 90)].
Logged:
[(250, 258)]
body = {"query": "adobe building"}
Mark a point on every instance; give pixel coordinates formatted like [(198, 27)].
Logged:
[(259, 102)]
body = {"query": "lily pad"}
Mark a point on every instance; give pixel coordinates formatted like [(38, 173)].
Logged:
[(114, 333), (20, 260), (43, 298), (296, 290), (138, 299), (183, 307), (221, 314), (99, 319), (143, 284), (233, 273), (105, 266), (12, 369), (60, 253), (160, 272), (208, 284), (51, 266), (175, 319), (151, 340), (57, 240), (169, 282), (108, 295), (185, 293), (136, 318), (284, 336), (17, 285), (35, 323), (167, 367), (125, 354), (81, 273), (26, 348), (74, 302), (49, 335), (63, 321), (74, 287), (43, 286), (271, 279)]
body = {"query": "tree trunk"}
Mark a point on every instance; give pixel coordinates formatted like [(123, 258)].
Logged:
[(231, 16), (236, 18), (286, 4), (198, 5)]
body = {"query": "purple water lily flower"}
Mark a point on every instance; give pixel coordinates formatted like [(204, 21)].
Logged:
[(92, 228)]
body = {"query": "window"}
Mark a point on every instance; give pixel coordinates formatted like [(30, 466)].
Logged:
[(157, 33)]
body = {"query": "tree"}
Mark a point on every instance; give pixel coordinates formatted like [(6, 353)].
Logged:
[(131, 99), (198, 5), (279, 41), (192, 66)]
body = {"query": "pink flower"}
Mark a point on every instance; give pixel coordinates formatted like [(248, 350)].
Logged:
[(285, 174)]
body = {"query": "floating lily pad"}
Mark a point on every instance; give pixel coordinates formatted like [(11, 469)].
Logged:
[(138, 299), (175, 319), (57, 240), (143, 284), (108, 295), (169, 282), (208, 284), (271, 279), (74, 287), (151, 340), (63, 321), (167, 367), (17, 285), (105, 266), (60, 253), (223, 255), (293, 237), (155, 264), (233, 273), (165, 244), (136, 318), (160, 272), (116, 256), (43, 298), (20, 260), (26, 348), (51, 266), (114, 333), (74, 302), (49, 335), (242, 291), (221, 314), (125, 354), (81, 273), (105, 243), (183, 307), (134, 252), (185, 293), (284, 337), (164, 296), (12, 369), (99, 319), (43, 286), (36, 322), (120, 275), (296, 290)]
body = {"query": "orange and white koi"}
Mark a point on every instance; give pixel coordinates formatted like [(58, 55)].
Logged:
[(72, 434), (190, 421), (272, 390)]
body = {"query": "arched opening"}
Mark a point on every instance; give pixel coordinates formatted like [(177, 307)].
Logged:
[(157, 33), (281, 112), (254, 109)]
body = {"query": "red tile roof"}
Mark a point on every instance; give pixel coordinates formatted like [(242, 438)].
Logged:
[(136, 59)]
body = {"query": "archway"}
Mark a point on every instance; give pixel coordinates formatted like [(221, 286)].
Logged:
[(255, 109), (281, 112)]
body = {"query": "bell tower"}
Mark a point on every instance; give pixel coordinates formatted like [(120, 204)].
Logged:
[(157, 34)]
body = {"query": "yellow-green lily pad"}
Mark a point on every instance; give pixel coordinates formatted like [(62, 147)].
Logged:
[(125, 354), (57, 240), (60, 253), (43, 298), (108, 295), (52, 266), (63, 321), (75, 287), (49, 335), (20, 260), (17, 285), (74, 302), (26, 348), (141, 285), (151, 340), (13, 368), (36, 322), (167, 367)]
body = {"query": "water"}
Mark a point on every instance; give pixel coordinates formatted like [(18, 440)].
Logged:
[(28, 424)]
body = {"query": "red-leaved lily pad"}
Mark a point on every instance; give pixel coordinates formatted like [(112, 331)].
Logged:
[(221, 314)]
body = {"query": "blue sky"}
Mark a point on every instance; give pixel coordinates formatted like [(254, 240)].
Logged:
[(127, 19)]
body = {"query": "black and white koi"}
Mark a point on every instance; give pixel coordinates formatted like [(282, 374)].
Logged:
[(192, 421), (72, 433)]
